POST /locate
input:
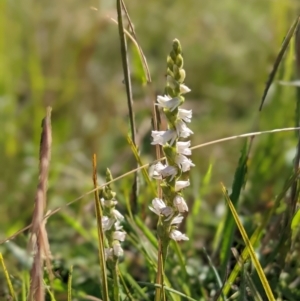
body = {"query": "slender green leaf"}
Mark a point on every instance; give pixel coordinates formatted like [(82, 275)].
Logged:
[(229, 225), (280, 55), (254, 259), (9, 284), (70, 284)]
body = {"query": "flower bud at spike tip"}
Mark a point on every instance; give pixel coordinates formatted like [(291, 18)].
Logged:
[(177, 46), (108, 175)]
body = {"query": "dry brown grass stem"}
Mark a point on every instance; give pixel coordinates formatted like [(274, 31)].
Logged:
[(38, 243)]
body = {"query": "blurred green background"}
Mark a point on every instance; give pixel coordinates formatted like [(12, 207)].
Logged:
[(66, 54)]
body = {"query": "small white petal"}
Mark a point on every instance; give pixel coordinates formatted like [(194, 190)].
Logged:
[(183, 162), (168, 102), (162, 137), (180, 204), (119, 235), (169, 171), (118, 225), (107, 223), (181, 184), (108, 253), (185, 115), (117, 215), (184, 89), (155, 170), (177, 220), (158, 205), (177, 235), (182, 129), (168, 212), (118, 251), (183, 147), (160, 171)]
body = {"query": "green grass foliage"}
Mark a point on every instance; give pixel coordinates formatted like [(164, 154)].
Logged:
[(243, 219)]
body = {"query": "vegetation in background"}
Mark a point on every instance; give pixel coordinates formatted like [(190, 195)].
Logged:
[(66, 54)]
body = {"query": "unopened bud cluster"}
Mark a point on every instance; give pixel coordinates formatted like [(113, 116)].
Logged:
[(175, 148)]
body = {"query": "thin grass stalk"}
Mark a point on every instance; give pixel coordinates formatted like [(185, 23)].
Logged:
[(171, 290), (70, 284), (99, 215), (52, 297), (216, 274), (144, 60), (279, 57), (127, 291), (38, 240), (237, 268), (116, 284), (132, 37), (155, 111), (9, 284), (127, 81), (135, 287), (159, 289), (282, 240), (295, 186), (182, 263), (246, 278), (126, 72), (24, 285)]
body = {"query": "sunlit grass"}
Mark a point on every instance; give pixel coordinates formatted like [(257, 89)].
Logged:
[(67, 56)]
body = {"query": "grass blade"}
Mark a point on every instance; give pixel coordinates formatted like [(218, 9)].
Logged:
[(257, 234), (246, 279), (279, 57), (216, 274), (237, 268), (70, 284), (229, 226), (9, 284), (169, 290), (135, 286), (254, 259), (295, 187), (98, 210), (127, 81), (140, 51)]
